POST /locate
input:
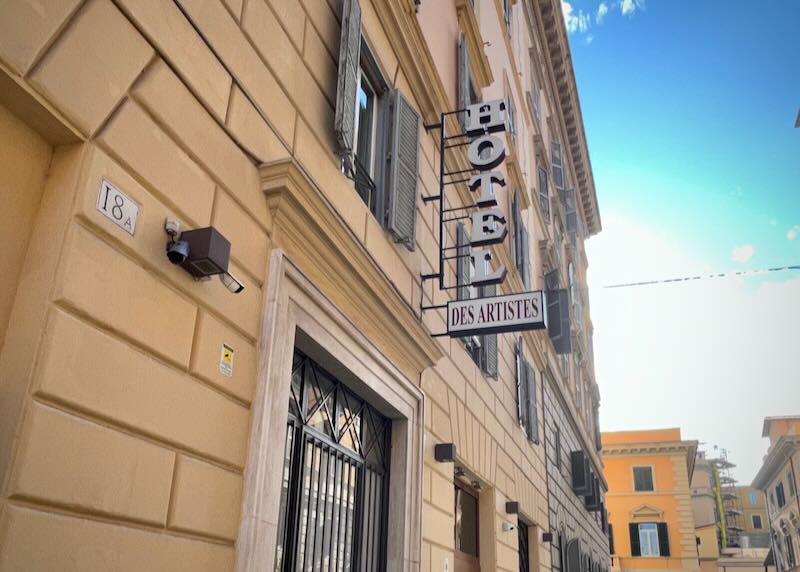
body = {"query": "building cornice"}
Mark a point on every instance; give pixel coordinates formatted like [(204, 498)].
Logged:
[(559, 55), (662, 448), (777, 455), (307, 227)]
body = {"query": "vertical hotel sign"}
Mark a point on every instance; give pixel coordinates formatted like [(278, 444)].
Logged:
[(485, 153)]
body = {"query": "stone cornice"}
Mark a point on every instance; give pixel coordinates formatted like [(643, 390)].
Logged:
[(479, 63), (775, 459), (558, 53), (307, 227), (666, 448)]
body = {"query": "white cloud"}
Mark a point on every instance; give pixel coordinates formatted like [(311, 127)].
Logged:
[(743, 253), (792, 233), (602, 10), (692, 354), (630, 6), (588, 40), (576, 21)]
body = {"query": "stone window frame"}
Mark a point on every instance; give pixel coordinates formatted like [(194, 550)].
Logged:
[(293, 304)]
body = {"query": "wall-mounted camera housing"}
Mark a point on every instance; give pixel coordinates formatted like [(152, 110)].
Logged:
[(202, 252)]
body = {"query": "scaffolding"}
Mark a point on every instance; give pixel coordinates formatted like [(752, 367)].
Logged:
[(730, 521)]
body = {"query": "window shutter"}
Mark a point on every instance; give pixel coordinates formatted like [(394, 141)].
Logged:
[(663, 539), (347, 84), (533, 414), (611, 539), (558, 320), (462, 262), (544, 194), (490, 340), (570, 207), (557, 163), (519, 379), (526, 259), (636, 547), (516, 221), (402, 209), (462, 78)]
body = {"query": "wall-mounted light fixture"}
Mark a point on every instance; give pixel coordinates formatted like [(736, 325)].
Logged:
[(444, 452), (202, 252)]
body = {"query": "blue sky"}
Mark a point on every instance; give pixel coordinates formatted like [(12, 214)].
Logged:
[(689, 108)]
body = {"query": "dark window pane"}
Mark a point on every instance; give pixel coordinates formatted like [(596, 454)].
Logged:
[(466, 522), (643, 478)]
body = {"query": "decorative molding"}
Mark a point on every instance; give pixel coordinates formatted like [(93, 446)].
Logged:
[(647, 511), (309, 230), (631, 449), (296, 309), (479, 63), (776, 458), (559, 56)]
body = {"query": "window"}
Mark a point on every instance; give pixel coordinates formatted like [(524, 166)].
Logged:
[(521, 244), (557, 447), (466, 91), (524, 548), (334, 441), (790, 557), (643, 479), (466, 527), (611, 548), (556, 159), (780, 496), (649, 539), (537, 97), (367, 105), (526, 395), (507, 15), (757, 521), (482, 349), (512, 119), (790, 481), (544, 196), (377, 133)]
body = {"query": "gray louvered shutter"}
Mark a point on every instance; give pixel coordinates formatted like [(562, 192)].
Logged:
[(526, 259), (533, 414), (462, 78), (556, 160), (490, 340), (347, 84), (519, 380), (403, 166), (462, 262), (516, 221), (558, 320), (571, 211)]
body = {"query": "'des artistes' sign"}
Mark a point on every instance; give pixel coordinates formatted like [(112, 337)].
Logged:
[(511, 312)]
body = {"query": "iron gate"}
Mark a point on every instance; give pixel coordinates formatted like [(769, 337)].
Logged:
[(335, 477)]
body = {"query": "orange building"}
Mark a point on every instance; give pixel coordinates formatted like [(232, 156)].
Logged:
[(649, 500)]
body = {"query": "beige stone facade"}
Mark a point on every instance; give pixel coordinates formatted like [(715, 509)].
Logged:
[(778, 480), (123, 444)]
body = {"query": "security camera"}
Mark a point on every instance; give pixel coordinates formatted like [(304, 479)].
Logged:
[(231, 282), (177, 251), (509, 526)]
